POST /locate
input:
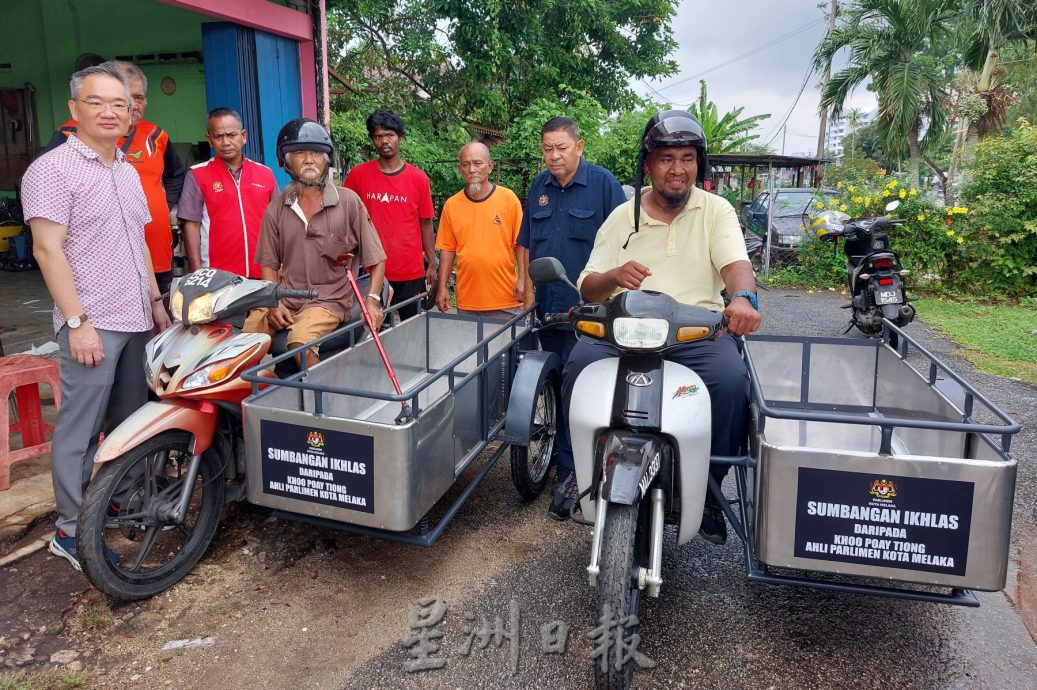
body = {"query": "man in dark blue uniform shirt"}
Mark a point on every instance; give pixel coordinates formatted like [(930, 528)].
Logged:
[(566, 205)]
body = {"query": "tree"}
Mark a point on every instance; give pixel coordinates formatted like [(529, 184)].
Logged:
[(893, 44), (725, 133), (490, 60), (854, 119), (983, 95)]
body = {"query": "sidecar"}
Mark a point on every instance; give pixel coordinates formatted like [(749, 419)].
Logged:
[(331, 444), (872, 469)]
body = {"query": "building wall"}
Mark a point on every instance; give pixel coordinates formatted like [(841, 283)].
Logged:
[(44, 37)]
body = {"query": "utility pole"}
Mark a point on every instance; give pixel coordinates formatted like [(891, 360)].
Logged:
[(824, 84)]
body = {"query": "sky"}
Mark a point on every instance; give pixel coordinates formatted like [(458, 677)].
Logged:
[(714, 32)]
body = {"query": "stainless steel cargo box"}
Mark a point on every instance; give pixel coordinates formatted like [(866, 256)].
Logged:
[(326, 444), (877, 462)]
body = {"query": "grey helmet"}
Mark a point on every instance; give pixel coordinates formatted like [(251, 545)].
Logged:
[(303, 134)]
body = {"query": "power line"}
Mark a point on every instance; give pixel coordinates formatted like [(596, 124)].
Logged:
[(788, 113), (770, 43)]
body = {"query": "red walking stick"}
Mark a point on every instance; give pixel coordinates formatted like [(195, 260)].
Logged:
[(346, 261)]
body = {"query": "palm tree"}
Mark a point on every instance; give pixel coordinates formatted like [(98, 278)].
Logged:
[(727, 133), (890, 44), (990, 25), (854, 119)]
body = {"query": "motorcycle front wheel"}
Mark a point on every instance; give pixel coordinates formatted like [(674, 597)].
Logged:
[(618, 595), (530, 464), (129, 544)]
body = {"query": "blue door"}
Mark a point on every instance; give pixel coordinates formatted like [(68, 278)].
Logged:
[(257, 74)]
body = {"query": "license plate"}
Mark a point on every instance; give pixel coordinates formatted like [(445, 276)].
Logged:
[(888, 296)]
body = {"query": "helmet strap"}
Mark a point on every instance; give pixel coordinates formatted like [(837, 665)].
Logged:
[(639, 181)]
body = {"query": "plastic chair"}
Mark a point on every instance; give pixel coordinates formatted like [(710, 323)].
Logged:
[(21, 375)]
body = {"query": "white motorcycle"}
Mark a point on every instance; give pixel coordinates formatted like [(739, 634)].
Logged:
[(640, 428)]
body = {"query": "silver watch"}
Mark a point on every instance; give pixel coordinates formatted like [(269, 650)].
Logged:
[(375, 296)]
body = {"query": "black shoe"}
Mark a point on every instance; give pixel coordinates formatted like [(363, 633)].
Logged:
[(560, 476), (564, 498), (714, 525)]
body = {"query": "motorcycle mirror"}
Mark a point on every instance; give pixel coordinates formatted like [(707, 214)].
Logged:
[(892, 206), (548, 269)]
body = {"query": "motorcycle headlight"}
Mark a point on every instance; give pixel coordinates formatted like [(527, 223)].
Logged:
[(176, 305), (201, 308), (204, 307), (640, 333)]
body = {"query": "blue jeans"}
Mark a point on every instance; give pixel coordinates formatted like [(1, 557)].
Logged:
[(717, 362)]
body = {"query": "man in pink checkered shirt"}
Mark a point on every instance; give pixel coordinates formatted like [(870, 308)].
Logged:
[(87, 211)]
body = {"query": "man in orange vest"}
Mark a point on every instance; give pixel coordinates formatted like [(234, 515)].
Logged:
[(149, 151), (224, 200)]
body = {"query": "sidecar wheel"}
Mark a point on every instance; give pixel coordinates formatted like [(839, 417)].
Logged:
[(530, 464), (618, 595), (138, 550)]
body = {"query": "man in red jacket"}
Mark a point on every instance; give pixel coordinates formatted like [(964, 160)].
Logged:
[(148, 149), (224, 200)]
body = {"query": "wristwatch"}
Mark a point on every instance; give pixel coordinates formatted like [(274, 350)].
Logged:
[(375, 296), (751, 296), (76, 321)]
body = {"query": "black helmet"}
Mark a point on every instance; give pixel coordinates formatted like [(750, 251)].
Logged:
[(302, 134), (668, 128), (677, 128)]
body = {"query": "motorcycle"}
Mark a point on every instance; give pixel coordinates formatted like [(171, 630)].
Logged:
[(754, 248), (641, 443), (167, 471), (874, 275)]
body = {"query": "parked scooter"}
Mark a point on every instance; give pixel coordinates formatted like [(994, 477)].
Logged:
[(874, 275), (167, 470), (640, 428)]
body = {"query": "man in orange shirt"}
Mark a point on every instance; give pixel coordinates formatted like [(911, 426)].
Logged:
[(149, 151), (478, 226)]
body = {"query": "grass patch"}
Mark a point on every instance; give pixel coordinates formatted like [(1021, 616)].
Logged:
[(998, 339), (44, 680)]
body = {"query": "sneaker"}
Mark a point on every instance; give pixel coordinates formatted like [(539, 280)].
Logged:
[(564, 498), (714, 524), (561, 474), (111, 514), (64, 546)]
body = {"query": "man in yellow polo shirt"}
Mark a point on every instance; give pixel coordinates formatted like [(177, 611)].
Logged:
[(479, 226), (682, 241)]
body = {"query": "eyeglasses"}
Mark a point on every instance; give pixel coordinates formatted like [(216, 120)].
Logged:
[(118, 107)]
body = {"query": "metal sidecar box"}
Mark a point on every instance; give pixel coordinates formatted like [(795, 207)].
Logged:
[(327, 443), (878, 462)]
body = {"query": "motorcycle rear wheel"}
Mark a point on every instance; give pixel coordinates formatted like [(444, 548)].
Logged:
[(618, 595), (530, 464), (152, 552)]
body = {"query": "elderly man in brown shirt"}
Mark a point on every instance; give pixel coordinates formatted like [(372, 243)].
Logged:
[(304, 232)]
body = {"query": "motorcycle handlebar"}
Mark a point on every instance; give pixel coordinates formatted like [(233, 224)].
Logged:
[(282, 293)]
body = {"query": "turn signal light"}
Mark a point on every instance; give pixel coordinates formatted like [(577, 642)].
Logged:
[(224, 369), (592, 328), (688, 333)]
